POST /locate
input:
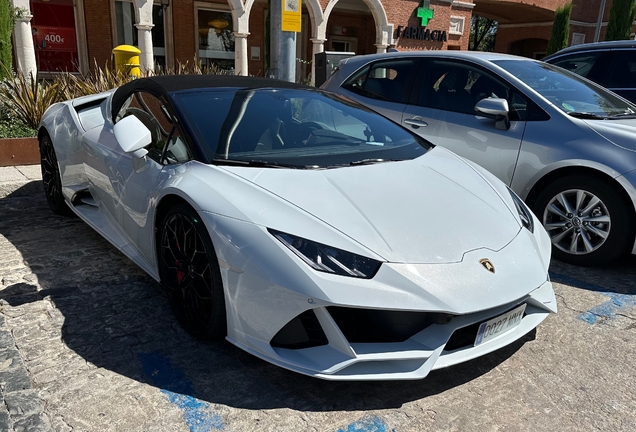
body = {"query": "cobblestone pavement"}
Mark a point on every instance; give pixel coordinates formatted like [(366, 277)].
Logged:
[(87, 342)]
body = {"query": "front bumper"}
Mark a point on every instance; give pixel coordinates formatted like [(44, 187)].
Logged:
[(408, 360)]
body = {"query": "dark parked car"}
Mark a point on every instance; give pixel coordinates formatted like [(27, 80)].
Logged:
[(610, 64)]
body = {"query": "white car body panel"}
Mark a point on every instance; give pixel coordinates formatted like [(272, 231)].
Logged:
[(430, 237)]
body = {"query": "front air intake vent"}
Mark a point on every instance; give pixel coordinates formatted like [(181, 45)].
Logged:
[(375, 326), (304, 331)]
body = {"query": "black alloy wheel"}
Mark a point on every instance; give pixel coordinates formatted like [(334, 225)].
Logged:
[(190, 274), (51, 178), (589, 222)]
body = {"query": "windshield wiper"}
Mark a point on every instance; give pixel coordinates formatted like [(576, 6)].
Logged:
[(586, 115), (372, 161), (623, 115), (259, 163), (363, 162)]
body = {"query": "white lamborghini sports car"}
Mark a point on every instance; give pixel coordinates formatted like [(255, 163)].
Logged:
[(299, 225)]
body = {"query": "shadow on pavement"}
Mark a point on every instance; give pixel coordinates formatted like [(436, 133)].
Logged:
[(616, 277), (116, 318)]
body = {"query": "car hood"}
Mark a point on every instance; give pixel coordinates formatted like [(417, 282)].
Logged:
[(432, 209), (621, 133)]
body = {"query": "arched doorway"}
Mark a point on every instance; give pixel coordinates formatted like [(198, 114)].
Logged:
[(351, 28), (359, 26)]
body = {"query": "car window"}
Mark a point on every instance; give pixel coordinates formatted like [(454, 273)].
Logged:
[(383, 80), (580, 63), (297, 128), (567, 91), (152, 112), (622, 71), (457, 87)]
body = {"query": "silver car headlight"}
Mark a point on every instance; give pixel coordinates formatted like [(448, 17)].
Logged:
[(328, 259), (524, 212)]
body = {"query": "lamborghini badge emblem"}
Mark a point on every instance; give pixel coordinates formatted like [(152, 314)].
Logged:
[(487, 265)]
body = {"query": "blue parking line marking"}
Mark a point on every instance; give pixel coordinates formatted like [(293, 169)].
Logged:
[(174, 384), (367, 424), (610, 308), (616, 303)]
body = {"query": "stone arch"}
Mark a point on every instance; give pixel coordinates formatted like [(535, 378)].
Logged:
[(316, 16), (240, 14), (143, 12), (383, 29)]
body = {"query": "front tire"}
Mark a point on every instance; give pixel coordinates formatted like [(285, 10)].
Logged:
[(189, 271), (51, 178), (587, 219)]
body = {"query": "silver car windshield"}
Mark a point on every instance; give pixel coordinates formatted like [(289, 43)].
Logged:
[(569, 92), (293, 129)]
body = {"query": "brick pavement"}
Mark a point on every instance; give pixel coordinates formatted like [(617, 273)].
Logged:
[(88, 342)]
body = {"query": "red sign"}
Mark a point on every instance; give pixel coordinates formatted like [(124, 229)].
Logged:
[(54, 38)]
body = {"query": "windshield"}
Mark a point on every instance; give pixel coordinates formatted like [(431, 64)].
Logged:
[(567, 91), (292, 128)]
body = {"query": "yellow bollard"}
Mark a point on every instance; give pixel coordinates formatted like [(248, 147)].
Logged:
[(127, 59)]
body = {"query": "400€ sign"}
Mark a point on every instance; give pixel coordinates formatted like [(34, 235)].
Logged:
[(54, 38)]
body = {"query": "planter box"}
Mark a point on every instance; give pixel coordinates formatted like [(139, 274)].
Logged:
[(19, 151)]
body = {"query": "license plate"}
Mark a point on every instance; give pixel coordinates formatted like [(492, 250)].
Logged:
[(499, 325)]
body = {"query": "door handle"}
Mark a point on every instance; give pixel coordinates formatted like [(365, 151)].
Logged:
[(416, 122)]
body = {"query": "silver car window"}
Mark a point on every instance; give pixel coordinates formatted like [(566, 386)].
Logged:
[(579, 63), (457, 87), (384, 80), (567, 91)]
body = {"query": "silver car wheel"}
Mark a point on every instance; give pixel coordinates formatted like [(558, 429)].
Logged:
[(577, 221)]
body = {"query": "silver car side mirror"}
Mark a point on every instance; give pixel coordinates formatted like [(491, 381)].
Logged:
[(495, 109), (132, 135)]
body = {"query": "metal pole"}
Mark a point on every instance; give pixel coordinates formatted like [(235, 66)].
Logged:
[(599, 22), (283, 45)]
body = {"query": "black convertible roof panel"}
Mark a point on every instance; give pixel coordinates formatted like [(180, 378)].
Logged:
[(164, 84)]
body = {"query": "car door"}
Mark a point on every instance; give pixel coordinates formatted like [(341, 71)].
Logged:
[(383, 86), (138, 178), (442, 110)]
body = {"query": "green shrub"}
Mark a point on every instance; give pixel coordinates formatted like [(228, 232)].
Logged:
[(6, 28), (619, 26), (27, 99), (560, 29), (14, 129)]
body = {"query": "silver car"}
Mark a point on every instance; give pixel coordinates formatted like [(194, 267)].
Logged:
[(566, 145)]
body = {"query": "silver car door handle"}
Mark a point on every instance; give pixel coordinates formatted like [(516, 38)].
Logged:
[(415, 122)]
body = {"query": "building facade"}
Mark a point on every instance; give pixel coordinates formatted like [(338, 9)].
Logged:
[(77, 35), (524, 27)]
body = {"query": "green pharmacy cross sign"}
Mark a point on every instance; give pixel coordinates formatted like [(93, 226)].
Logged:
[(425, 12)]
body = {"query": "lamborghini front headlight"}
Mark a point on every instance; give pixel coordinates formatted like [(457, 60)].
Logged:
[(328, 259)]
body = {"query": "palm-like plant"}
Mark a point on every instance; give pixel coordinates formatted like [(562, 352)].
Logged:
[(96, 81), (29, 98)]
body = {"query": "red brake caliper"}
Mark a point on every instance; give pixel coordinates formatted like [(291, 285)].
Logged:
[(180, 274)]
